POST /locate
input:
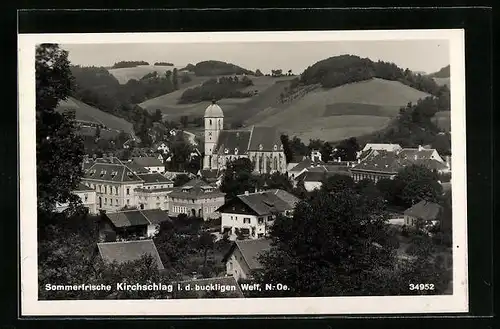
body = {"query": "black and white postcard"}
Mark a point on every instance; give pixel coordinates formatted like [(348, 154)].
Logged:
[(237, 173)]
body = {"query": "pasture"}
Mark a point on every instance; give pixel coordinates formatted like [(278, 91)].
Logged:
[(85, 112)]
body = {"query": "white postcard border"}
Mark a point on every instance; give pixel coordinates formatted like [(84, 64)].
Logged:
[(31, 306)]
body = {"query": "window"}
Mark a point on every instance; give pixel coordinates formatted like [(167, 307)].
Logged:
[(111, 202), (128, 191), (105, 200), (86, 196), (246, 220), (158, 198), (116, 202), (128, 201), (270, 218), (260, 235), (261, 220), (116, 190), (105, 189)]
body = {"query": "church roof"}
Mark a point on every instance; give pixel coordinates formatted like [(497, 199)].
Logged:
[(267, 137), (214, 111), (234, 141)]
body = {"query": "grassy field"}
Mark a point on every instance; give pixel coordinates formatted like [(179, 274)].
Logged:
[(84, 112), (125, 74), (443, 120), (235, 109), (334, 114)]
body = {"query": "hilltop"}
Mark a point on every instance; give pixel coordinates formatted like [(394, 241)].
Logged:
[(90, 116), (216, 68), (123, 75), (442, 73)]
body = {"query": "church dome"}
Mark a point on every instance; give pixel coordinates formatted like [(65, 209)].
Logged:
[(214, 111)]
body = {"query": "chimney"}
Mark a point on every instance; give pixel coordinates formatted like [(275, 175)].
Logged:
[(420, 148), (339, 159), (246, 192), (359, 160), (214, 101)]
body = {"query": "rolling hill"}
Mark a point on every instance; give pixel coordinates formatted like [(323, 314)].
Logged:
[(87, 113), (349, 110), (442, 77), (127, 73)]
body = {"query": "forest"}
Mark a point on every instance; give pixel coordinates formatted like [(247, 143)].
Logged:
[(123, 64), (223, 87), (212, 68), (339, 70)]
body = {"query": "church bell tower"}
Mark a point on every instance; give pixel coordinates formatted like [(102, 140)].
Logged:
[(214, 123)]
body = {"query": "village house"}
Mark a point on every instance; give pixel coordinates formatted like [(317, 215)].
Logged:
[(196, 198), (262, 145), (386, 164), (153, 194), (131, 224), (127, 251), (86, 195), (294, 161), (424, 212), (372, 148), (250, 215), (152, 164), (242, 258)]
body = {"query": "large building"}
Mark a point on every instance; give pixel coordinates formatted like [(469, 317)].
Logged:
[(86, 195), (196, 198), (117, 185), (381, 164), (252, 214), (262, 145)]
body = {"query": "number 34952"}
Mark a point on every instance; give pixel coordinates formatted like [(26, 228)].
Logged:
[(421, 286)]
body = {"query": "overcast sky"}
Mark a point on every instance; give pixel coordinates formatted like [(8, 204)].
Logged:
[(417, 55)]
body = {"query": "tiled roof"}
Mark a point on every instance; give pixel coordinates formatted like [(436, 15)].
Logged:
[(416, 154), (136, 168), (196, 188), (252, 249), (266, 202), (82, 188), (304, 164), (147, 161), (267, 137), (392, 162), (222, 281), (232, 140), (386, 147), (130, 218), (128, 251), (111, 172), (154, 178), (208, 173), (424, 210)]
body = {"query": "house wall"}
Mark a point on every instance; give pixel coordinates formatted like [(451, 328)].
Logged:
[(259, 225), (156, 169), (88, 199), (152, 200), (204, 206), (310, 186), (237, 267), (112, 196), (410, 220), (268, 162), (360, 175)]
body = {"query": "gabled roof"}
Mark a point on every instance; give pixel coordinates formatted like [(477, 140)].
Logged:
[(111, 172), (129, 218), (232, 141), (251, 250), (267, 137), (266, 202), (424, 210), (305, 164), (196, 188), (147, 161), (392, 162), (128, 251), (416, 154), (378, 146), (154, 178), (136, 168)]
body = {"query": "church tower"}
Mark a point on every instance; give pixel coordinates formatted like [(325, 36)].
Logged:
[(214, 123)]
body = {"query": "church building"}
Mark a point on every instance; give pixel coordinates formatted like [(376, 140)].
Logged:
[(262, 145)]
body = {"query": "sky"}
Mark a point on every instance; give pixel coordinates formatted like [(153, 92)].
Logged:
[(417, 55)]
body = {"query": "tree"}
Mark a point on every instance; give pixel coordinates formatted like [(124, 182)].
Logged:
[(387, 188), (238, 177), (278, 180), (289, 72), (157, 116), (315, 144), (184, 120), (326, 152), (286, 148), (415, 183), (297, 147), (337, 183), (367, 188), (206, 243), (347, 149), (59, 150), (328, 248), (258, 73), (175, 79), (180, 151)]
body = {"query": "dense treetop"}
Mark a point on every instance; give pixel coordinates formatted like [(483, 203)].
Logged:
[(122, 64), (442, 73), (211, 68), (163, 64), (339, 70)]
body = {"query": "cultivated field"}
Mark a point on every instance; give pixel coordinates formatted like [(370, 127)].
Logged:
[(125, 74), (334, 114), (84, 112)]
